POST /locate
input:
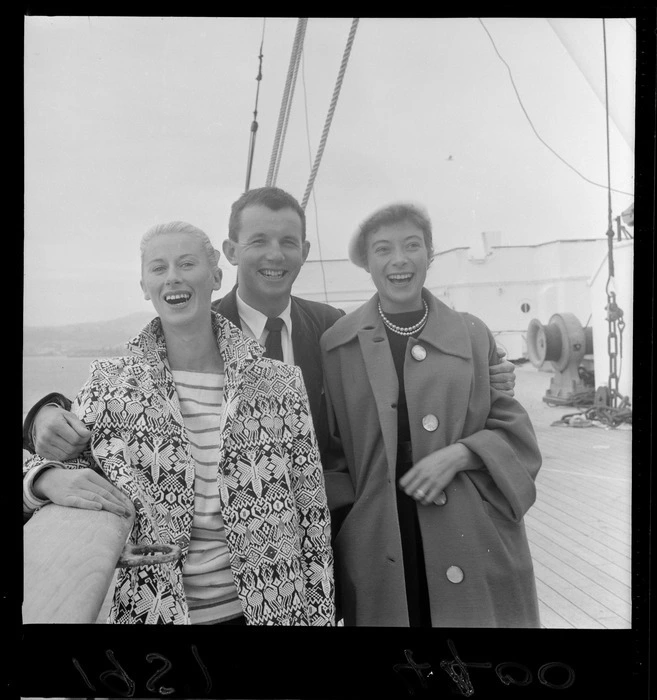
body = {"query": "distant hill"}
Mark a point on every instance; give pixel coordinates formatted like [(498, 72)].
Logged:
[(85, 339)]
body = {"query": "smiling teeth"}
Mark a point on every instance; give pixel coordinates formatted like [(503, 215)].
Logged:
[(177, 298), (401, 276), (273, 273)]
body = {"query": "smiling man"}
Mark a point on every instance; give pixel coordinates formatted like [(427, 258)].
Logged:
[(267, 243)]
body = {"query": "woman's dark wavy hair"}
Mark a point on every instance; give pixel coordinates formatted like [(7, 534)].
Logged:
[(395, 214)]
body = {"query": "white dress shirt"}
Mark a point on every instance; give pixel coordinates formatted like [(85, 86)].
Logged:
[(253, 325)]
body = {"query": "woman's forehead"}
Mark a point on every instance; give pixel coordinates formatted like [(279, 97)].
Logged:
[(397, 230), (173, 244)]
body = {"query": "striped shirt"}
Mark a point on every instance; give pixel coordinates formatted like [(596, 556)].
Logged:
[(209, 586)]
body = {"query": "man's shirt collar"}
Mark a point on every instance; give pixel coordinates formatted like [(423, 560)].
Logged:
[(256, 320)]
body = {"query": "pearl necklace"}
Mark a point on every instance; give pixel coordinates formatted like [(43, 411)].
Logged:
[(409, 330)]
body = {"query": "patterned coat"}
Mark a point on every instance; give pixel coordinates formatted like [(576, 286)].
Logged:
[(479, 567), (309, 320), (270, 480)]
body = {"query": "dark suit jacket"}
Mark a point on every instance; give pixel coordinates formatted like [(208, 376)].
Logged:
[(309, 321)]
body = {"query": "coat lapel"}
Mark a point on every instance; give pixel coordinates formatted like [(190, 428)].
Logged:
[(227, 307), (446, 329), (307, 353), (150, 343), (382, 377)]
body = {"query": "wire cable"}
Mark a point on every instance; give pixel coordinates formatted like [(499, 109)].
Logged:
[(538, 136), (610, 219), (254, 123)]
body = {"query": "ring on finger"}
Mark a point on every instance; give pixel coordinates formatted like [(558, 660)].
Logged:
[(419, 493)]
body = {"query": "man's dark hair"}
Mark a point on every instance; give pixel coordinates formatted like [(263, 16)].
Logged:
[(271, 197)]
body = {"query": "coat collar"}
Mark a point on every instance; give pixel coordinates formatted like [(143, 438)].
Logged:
[(445, 328), (237, 350)]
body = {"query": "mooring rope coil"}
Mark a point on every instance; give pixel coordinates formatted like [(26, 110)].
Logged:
[(331, 111)]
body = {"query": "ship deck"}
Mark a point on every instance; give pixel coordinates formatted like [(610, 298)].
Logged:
[(579, 528)]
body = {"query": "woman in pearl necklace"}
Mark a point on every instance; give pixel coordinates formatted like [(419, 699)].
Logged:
[(440, 465)]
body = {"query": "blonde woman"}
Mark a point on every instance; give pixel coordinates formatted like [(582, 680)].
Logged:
[(214, 447)]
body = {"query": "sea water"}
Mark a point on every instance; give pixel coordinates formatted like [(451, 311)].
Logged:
[(44, 374)]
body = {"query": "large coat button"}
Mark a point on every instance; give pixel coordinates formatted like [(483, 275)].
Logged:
[(418, 352), (430, 422), (455, 574)]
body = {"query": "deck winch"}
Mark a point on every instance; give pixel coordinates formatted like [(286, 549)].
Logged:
[(566, 344)]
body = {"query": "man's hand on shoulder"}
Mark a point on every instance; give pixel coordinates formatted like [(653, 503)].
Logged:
[(58, 434), (503, 374)]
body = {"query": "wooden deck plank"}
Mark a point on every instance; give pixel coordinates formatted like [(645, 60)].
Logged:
[(615, 516), (570, 555), (583, 608), (616, 493), (616, 483), (563, 449), (571, 526), (580, 527), (574, 501), (614, 442), (571, 464), (551, 590), (549, 618), (544, 516), (587, 500), (585, 585), (613, 535), (621, 573)]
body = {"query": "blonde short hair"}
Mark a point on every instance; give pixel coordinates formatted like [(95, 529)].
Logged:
[(181, 227)]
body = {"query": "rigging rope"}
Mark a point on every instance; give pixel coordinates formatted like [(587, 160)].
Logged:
[(609, 416), (331, 111), (614, 312), (254, 123), (319, 240), (286, 102)]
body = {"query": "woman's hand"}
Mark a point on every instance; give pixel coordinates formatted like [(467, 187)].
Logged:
[(426, 480), (82, 488)]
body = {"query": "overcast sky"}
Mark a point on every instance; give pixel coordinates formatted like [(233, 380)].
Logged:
[(135, 121)]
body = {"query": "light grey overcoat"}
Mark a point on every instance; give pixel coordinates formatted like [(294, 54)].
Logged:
[(479, 568)]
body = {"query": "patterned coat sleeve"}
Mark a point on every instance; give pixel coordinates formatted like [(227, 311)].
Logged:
[(314, 519), (85, 408)]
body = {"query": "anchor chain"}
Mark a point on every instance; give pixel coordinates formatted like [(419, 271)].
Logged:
[(615, 324)]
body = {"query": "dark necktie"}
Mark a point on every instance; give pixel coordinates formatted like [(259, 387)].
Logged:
[(273, 347)]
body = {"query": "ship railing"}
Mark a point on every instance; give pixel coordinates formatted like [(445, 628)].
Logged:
[(69, 559)]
